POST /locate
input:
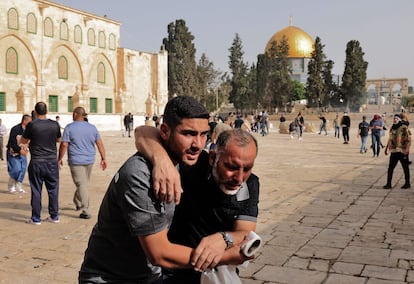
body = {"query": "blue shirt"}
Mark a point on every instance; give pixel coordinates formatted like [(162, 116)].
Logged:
[(81, 136)]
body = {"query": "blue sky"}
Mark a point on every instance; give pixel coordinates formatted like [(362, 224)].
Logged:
[(383, 28)]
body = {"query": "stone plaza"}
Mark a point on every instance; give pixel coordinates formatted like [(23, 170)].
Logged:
[(323, 216)]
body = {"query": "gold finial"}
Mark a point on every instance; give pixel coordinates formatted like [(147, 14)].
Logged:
[(290, 21)]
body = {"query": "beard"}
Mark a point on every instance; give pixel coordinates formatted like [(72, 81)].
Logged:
[(222, 183)]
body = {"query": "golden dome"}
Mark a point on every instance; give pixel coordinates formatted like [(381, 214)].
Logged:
[(300, 43)]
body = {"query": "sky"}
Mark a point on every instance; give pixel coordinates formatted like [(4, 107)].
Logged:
[(384, 29)]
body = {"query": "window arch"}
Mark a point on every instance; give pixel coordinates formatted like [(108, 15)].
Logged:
[(48, 27), (64, 31), (12, 61), (101, 73), (77, 34), (63, 68), (102, 39), (112, 42), (31, 23), (91, 37), (13, 19)]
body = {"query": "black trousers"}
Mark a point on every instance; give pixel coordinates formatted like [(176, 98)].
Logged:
[(394, 159)]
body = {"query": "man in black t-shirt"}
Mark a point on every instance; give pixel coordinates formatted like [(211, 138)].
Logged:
[(42, 134)]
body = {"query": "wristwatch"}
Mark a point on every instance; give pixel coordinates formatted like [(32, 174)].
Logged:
[(228, 239)]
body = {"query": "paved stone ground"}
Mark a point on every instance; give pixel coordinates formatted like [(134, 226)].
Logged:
[(323, 215)]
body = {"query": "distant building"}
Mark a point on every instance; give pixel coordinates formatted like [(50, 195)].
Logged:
[(301, 46), (67, 57)]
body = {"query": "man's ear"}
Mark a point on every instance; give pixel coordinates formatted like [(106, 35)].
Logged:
[(165, 131), (212, 157)]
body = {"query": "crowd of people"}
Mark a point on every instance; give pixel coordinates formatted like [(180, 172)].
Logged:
[(147, 231)]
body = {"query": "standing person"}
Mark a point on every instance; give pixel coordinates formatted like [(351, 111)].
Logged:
[(323, 124), (346, 124), (79, 139), (16, 156), (336, 125), (127, 120), (129, 241), (299, 123), (238, 122), (363, 130), (3, 132), (42, 134), (376, 125), (398, 145)]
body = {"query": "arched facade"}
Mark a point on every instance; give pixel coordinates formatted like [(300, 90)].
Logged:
[(67, 57), (387, 90)]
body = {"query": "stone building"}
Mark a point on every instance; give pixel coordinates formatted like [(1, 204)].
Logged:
[(68, 57)]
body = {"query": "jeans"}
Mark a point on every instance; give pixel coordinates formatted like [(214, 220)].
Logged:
[(16, 166), (376, 143), (364, 143)]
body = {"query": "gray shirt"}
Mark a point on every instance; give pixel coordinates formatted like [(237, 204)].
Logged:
[(128, 210)]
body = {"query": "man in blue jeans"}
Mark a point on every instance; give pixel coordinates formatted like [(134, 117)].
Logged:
[(42, 134), (376, 125)]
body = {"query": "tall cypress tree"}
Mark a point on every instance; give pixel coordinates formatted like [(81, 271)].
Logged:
[(239, 81), (355, 74), (182, 75), (314, 83)]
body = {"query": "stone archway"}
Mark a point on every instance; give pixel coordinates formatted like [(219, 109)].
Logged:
[(387, 85)]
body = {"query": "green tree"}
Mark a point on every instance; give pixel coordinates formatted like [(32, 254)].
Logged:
[(239, 81), (298, 91), (330, 87), (314, 89), (353, 80), (274, 82), (182, 76)]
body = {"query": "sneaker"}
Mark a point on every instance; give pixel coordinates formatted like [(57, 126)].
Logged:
[(52, 220), (387, 186), (12, 190), (34, 222), (85, 216), (405, 186)]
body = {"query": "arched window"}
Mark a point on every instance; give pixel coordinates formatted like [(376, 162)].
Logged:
[(48, 27), (31, 23), (77, 34), (13, 19), (102, 39), (91, 37), (63, 68), (64, 31), (112, 42), (12, 61), (101, 73)]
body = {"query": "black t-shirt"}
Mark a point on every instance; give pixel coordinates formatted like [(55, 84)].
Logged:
[(204, 209), (43, 134)]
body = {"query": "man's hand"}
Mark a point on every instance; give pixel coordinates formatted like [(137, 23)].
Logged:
[(166, 181), (208, 252)]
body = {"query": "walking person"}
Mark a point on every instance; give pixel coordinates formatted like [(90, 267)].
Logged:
[(336, 125), (79, 140), (323, 124), (127, 124), (16, 154), (398, 145), (43, 134), (346, 124), (363, 131), (299, 123), (376, 125), (3, 132)]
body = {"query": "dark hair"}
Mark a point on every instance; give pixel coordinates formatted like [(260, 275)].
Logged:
[(25, 116), (182, 107), (242, 138), (41, 108)]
